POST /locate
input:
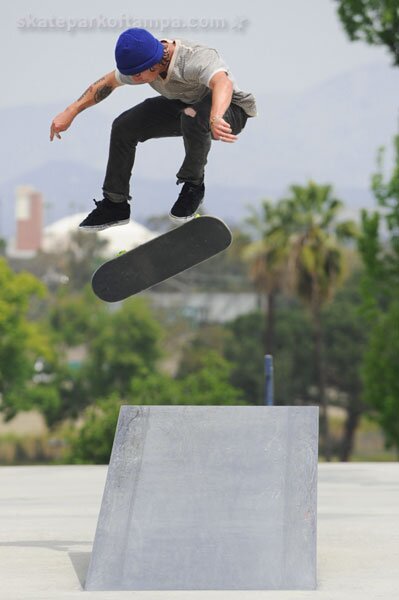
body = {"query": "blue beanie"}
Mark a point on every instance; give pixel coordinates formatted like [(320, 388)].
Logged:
[(137, 50)]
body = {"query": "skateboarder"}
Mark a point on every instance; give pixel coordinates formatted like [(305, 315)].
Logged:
[(199, 100)]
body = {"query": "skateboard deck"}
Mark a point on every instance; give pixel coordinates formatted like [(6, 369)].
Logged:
[(161, 258)]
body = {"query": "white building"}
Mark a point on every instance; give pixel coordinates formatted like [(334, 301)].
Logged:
[(56, 237)]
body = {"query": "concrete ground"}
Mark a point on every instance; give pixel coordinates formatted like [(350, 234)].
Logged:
[(48, 517)]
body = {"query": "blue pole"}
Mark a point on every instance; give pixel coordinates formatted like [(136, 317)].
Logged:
[(269, 387)]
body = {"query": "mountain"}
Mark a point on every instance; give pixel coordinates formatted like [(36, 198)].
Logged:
[(68, 187), (329, 133)]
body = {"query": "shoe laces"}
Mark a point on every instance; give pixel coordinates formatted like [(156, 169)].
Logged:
[(99, 205)]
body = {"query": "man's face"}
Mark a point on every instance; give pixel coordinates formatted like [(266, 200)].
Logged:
[(147, 76)]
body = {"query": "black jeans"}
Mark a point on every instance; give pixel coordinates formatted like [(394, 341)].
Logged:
[(159, 117)]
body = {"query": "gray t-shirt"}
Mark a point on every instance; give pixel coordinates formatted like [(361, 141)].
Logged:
[(190, 71)]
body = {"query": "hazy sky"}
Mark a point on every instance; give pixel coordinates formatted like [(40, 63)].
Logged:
[(283, 45)]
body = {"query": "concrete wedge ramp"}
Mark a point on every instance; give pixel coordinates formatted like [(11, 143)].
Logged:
[(212, 497)]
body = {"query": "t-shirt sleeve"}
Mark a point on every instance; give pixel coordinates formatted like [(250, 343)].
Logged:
[(204, 64), (124, 79)]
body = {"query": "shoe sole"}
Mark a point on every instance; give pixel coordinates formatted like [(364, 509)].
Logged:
[(185, 219), (105, 226)]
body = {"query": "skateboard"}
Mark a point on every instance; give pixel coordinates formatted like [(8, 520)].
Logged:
[(161, 258)]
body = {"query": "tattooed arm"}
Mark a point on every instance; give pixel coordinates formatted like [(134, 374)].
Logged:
[(95, 93)]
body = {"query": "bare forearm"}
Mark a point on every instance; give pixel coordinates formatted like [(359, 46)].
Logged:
[(222, 93), (95, 93)]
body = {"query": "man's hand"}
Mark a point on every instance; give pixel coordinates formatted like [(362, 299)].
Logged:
[(61, 123), (221, 130), (95, 93), (222, 92)]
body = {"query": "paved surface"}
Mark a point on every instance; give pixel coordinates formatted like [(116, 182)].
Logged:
[(48, 517)]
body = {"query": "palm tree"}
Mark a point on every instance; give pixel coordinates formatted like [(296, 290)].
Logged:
[(316, 265), (267, 257), (297, 249)]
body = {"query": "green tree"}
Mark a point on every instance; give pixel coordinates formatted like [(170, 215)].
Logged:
[(295, 371), (379, 248), (346, 338), (293, 355), (317, 266), (82, 255), (380, 373), (226, 271), (208, 337), (72, 320), (47, 398), (386, 193), (243, 348), (209, 385), (267, 256), (22, 342), (115, 346), (373, 21), (75, 317), (92, 442), (155, 389), (125, 346)]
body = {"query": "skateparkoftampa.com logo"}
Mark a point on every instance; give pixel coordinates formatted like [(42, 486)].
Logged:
[(102, 23)]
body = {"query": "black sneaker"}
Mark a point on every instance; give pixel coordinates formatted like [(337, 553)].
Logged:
[(186, 206), (106, 214)]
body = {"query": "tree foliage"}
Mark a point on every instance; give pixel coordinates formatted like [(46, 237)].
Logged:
[(268, 257), (379, 241), (379, 248), (22, 342), (126, 345), (92, 442), (82, 255), (380, 374), (75, 317), (208, 386), (300, 250), (373, 21)]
